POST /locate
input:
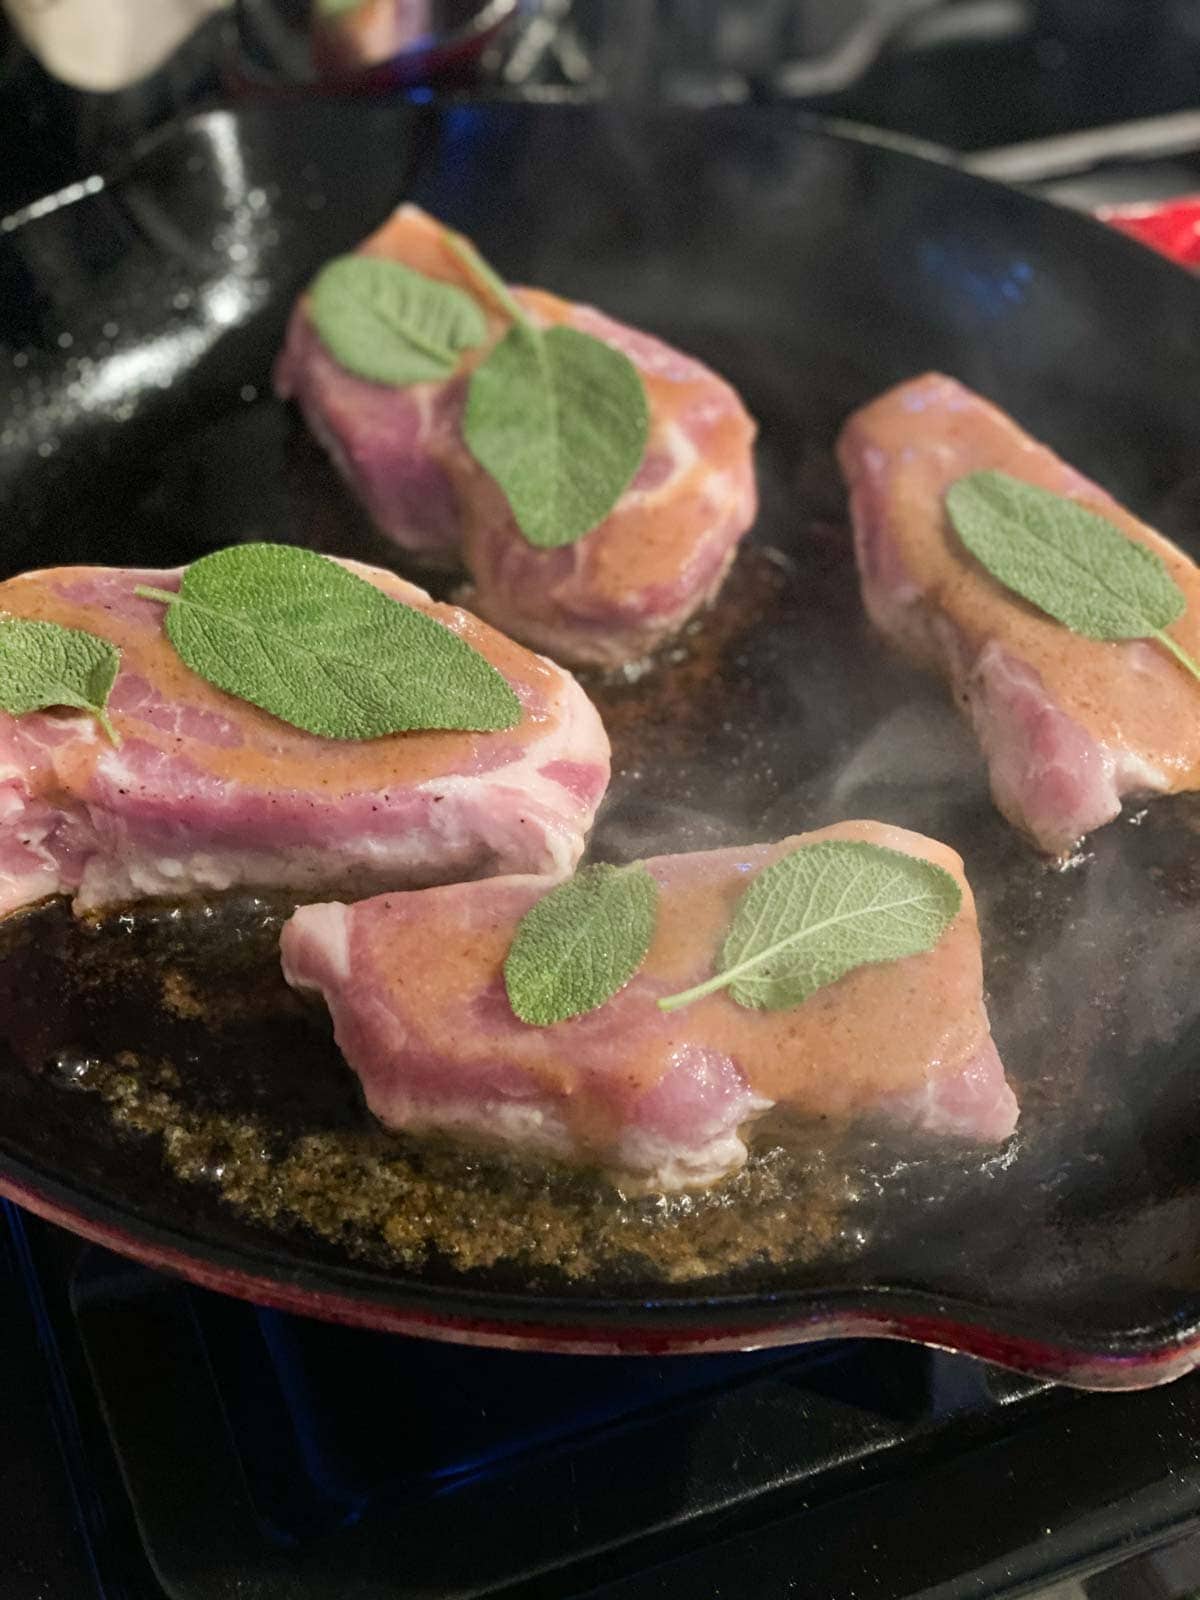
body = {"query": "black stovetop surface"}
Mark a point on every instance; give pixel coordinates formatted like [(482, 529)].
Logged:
[(161, 1440)]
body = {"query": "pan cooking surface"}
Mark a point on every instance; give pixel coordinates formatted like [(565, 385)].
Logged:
[(156, 1075)]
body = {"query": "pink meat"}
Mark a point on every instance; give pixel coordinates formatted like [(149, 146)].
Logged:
[(208, 793), (636, 578), (1068, 726), (414, 983), (973, 1103)]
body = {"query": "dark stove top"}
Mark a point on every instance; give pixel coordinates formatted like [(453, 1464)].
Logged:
[(160, 1440)]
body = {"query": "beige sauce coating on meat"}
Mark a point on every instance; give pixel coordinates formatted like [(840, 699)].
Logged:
[(638, 547), (1132, 693), (262, 750), (882, 1029)]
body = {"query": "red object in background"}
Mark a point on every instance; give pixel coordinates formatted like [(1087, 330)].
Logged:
[(1172, 228)]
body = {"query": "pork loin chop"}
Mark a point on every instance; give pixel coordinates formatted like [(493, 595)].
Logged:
[(206, 792), (1069, 726), (415, 986), (659, 555)]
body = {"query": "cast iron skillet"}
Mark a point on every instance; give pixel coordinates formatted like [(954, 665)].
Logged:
[(160, 1089)]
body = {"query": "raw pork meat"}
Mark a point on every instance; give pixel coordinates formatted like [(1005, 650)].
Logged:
[(416, 989), (637, 577), (207, 792), (1069, 726)]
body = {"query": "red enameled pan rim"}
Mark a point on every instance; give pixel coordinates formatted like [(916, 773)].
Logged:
[(594, 1328)]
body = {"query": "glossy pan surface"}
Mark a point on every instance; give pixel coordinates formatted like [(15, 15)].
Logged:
[(162, 1091)]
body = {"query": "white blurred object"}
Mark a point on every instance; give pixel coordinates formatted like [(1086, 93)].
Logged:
[(106, 45)]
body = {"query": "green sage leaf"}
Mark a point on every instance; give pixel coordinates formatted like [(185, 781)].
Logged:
[(1066, 559), (820, 912), (321, 648), (43, 665), (386, 322), (488, 279), (561, 421), (576, 947)]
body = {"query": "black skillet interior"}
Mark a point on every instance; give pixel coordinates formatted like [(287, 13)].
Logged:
[(137, 328)]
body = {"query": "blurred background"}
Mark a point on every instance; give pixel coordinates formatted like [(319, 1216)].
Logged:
[(1079, 86)]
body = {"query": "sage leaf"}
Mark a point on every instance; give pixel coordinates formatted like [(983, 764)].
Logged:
[(582, 942), (386, 322), (1069, 561), (487, 277), (561, 421), (43, 665), (324, 650), (820, 912)]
